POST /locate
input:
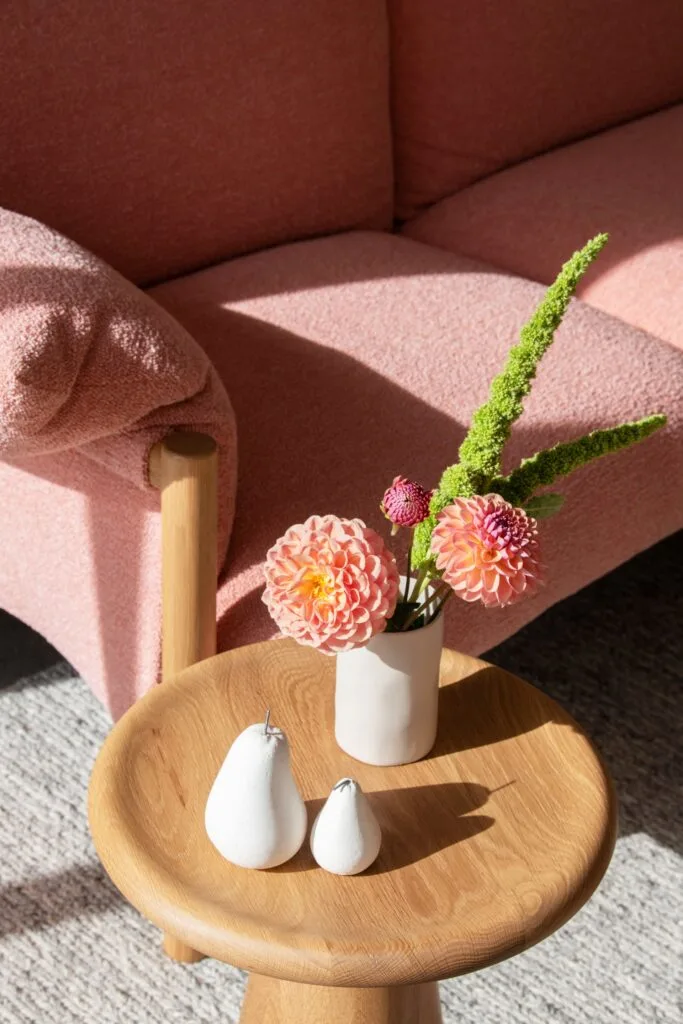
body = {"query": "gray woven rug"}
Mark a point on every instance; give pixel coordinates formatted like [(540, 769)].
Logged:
[(71, 950)]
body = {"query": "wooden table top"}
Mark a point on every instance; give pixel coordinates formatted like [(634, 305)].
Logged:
[(489, 844)]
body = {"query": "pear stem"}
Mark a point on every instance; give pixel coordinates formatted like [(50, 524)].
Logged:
[(267, 726), (343, 783)]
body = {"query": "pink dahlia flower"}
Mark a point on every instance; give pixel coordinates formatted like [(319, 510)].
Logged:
[(405, 503), (487, 550), (331, 583)]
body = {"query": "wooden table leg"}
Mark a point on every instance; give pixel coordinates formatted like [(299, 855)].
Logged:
[(177, 950), (284, 1002)]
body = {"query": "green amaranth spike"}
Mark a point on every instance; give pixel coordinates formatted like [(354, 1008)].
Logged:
[(481, 451), (546, 466)]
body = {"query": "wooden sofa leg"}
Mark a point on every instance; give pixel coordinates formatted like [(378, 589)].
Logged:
[(184, 466)]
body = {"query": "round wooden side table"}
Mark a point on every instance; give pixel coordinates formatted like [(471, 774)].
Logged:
[(489, 844)]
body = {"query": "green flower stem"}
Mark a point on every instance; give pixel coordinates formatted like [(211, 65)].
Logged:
[(437, 601), (407, 586), (447, 596), (546, 466), (415, 615), (421, 554), (420, 583), (439, 588), (423, 609)]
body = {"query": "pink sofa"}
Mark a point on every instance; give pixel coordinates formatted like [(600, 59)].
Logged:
[(352, 208)]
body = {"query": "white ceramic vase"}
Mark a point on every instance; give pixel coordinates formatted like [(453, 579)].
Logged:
[(387, 696)]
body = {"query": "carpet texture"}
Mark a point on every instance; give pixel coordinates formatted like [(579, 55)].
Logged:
[(71, 950)]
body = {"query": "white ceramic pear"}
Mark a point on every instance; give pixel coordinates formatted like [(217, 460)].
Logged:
[(255, 815), (346, 836)]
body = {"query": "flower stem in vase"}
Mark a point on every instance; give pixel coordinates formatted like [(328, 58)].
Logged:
[(414, 615), (410, 555), (443, 592), (432, 602), (417, 610), (420, 583), (404, 613)]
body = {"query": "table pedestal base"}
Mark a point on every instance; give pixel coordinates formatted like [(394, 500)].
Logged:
[(284, 1002)]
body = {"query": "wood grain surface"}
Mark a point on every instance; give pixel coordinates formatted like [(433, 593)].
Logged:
[(284, 1002), (489, 844), (184, 466)]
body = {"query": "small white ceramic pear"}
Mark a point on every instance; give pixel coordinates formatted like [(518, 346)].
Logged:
[(346, 836), (255, 816)]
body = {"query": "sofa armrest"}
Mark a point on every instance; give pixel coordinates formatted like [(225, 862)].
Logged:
[(206, 409), (84, 553), (92, 364)]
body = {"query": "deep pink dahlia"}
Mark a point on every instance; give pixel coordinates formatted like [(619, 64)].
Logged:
[(331, 583), (487, 550), (405, 503)]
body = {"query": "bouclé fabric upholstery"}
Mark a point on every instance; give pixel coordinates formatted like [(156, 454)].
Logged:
[(168, 136), (356, 358), (84, 568), (258, 167), (478, 85), (349, 360), (89, 362), (529, 218)]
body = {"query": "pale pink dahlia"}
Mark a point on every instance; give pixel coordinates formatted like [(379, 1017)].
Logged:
[(487, 550), (331, 583), (405, 503)]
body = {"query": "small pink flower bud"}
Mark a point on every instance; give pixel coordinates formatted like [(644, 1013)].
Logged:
[(405, 503)]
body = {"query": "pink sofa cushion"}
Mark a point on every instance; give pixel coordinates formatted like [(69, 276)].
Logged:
[(167, 136), (355, 358), (480, 85), (90, 362), (529, 218)]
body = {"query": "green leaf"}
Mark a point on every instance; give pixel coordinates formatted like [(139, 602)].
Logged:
[(544, 505)]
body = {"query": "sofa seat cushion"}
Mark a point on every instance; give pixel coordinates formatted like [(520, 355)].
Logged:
[(355, 358), (528, 219)]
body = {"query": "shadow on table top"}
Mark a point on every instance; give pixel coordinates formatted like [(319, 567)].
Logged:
[(404, 840)]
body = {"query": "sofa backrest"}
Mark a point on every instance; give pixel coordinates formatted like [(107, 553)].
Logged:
[(165, 135), (481, 84)]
